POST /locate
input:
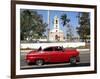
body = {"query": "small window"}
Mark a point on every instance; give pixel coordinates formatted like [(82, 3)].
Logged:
[(56, 21), (56, 26)]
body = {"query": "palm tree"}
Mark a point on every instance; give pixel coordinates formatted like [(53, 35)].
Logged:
[(65, 22), (65, 19)]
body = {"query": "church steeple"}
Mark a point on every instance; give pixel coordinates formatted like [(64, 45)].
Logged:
[(56, 34), (56, 23)]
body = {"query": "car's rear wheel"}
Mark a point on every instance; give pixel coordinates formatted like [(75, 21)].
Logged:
[(39, 62), (73, 60)]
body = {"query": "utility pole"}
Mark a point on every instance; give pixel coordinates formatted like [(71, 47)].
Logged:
[(48, 29)]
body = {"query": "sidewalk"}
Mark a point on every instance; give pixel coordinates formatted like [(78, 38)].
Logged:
[(83, 49)]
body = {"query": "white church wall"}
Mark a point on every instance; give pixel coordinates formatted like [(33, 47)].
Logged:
[(43, 45)]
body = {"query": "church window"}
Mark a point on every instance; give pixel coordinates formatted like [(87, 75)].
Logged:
[(56, 21), (56, 26)]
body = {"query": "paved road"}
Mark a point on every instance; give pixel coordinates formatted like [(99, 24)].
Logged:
[(84, 61)]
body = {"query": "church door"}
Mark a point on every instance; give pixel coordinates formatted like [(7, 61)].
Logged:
[(56, 37)]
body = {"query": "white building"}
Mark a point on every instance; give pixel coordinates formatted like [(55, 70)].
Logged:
[(56, 34)]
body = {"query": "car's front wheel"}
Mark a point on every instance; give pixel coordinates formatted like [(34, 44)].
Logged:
[(39, 62), (73, 60)]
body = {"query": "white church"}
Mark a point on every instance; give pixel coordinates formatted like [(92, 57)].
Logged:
[(56, 34)]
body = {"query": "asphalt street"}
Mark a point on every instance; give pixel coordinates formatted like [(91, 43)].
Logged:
[(84, 61)]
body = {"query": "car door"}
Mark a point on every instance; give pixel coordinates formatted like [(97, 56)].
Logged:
[(50, 54), (60, 54), (53, 55)]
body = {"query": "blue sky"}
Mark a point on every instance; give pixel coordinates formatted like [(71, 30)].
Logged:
[(71, 16)]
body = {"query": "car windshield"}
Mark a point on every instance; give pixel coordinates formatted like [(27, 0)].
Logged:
[(40, 48)]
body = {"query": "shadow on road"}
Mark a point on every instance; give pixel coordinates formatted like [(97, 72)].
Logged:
[(55, 66)]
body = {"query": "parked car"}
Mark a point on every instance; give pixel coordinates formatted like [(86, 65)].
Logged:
[(54, 54)]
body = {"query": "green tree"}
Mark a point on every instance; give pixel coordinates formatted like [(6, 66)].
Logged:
[(65, 22), (84, 26), (32, 25)]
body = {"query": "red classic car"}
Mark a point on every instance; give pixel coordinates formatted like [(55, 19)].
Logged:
[(54, 54)]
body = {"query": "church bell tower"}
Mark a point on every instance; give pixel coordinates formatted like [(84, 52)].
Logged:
[(56, 34), (56, 23)]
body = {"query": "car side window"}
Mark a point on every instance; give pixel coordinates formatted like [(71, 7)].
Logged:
[(58, 49), (48, 49)]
